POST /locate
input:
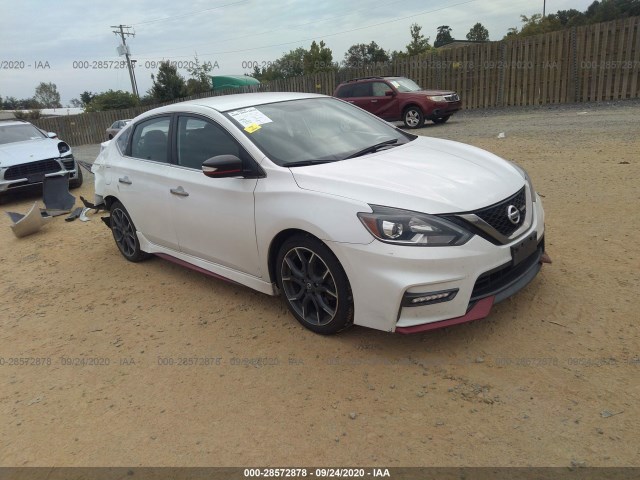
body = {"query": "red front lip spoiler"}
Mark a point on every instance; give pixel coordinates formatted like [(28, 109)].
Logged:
[(480, 310)]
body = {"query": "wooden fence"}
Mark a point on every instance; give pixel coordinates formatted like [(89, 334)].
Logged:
[(585, 64)]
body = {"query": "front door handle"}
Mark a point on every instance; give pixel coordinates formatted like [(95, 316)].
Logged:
[(374, 101), (179, 191), (125, 180)]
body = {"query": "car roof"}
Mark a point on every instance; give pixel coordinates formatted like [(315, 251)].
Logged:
[(223, 103), (12, 121), (362, 79)]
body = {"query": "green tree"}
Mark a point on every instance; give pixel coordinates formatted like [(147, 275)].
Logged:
[(289, 65), (362, 54), (570, 18), (112, 100), (397, 55), (535, 25), (200, 80), (318, 58), (478, 33), (419, 44), (13, 103), (444, 36), (47, 95), (168, 84), (86, 97), (607, 10), (296, 63)]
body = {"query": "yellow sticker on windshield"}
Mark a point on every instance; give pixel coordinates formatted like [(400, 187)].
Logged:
[(252, 128)]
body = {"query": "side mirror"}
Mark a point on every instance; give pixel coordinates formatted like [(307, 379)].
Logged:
[(389, 93), (222, 166), (52, 135)]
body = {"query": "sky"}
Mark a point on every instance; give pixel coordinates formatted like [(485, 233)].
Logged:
[(71, 43)]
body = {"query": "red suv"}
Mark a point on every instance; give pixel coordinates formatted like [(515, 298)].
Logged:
[(398, 98)]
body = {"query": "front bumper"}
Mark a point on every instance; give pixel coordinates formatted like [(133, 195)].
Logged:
[(480, 273), (444, 109), (33, 173)]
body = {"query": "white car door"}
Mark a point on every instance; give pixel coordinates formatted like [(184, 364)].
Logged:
[(141, 176), (214, 218)]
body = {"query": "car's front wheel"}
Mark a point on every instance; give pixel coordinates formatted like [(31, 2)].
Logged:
[(124, 233), (413, 117), (441, 119), (314, 284)]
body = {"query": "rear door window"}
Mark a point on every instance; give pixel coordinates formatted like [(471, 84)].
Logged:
[(151, 140)]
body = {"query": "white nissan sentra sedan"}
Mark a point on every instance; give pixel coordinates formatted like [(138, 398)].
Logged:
[(352, 220)]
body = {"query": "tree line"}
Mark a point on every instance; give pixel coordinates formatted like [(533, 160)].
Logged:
[(319, 57), (167, 84)]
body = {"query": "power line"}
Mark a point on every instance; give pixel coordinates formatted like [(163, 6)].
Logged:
[(333, 34), (289, 27), (176, 17)]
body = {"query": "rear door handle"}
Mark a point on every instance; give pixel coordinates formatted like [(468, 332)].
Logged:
[(125, 180), (179, 191), (374, 101)]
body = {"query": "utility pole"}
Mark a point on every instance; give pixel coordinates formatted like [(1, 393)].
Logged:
[(544, 8), (123, 34)]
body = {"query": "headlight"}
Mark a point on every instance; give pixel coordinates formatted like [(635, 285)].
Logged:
[(526, 176), (438, 98), (404, 227), (63, 148)]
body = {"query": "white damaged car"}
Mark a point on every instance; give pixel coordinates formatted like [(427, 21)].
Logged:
[(27, 155), (352, 220)]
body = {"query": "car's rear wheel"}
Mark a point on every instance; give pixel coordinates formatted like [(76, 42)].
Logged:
[(413, 117), (441, 119), (124, 233), (77, 182), (314, 284)]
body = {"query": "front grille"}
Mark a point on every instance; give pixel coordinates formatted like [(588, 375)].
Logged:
[(496, 215), (452, 98), (41, 167), (496, 280)]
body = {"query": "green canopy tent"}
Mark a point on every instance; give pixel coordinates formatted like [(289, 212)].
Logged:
[(233, 82)]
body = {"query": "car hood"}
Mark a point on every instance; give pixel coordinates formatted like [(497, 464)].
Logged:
[(426, 175), (431, 92), (28, 151)]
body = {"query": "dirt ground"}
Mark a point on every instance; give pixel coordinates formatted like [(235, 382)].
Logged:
[(108, 363)]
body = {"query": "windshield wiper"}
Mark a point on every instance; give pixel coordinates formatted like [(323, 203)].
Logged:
[(305, 163), (373, 148)]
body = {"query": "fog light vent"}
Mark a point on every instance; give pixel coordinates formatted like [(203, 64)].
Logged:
[(428, 298)]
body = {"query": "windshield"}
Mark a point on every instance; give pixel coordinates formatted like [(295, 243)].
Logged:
[(314, 130), (19, 133), (405, 85)]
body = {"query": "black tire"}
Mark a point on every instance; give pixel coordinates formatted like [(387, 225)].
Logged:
[(124, 233), (77, 182), (314, 285), (413, 117), (441, 120)]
